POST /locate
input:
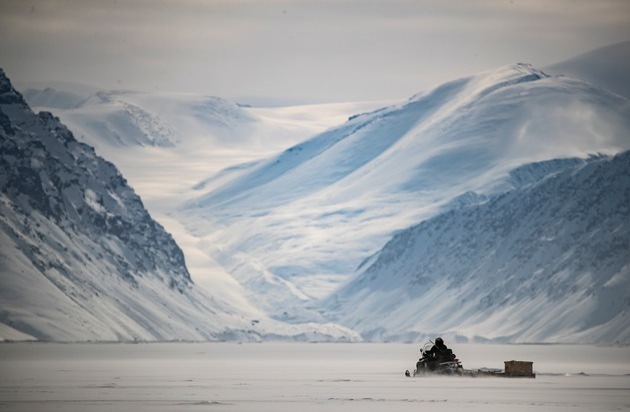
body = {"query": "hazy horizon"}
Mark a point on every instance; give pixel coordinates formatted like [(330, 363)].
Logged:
[(294, 51)]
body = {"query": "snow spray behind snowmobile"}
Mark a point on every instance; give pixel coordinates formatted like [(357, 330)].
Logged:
[(444, 364)]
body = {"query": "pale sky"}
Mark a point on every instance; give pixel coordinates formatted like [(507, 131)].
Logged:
[(294, 50)]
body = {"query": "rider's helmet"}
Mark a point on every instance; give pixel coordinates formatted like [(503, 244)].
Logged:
[(439, 342)]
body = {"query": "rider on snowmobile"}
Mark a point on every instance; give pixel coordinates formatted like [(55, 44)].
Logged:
[(438, 353)]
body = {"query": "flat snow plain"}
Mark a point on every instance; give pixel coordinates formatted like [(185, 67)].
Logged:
[(303, 377)]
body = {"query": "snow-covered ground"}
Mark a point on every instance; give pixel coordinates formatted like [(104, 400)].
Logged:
[(306, 377)]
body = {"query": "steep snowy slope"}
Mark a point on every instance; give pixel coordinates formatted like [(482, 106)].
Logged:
[(81, 259), (292, 228), (546, 262), (216, 141)]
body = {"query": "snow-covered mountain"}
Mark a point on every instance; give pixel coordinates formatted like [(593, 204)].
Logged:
[(109, 116), (215, 142), (291, 219), (294, 227), (82, 259), (546, 262)]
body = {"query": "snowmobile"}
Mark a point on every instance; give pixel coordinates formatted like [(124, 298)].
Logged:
[(446, 364)]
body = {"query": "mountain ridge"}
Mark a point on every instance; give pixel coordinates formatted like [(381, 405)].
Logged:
[(294, 227), (544, 262)]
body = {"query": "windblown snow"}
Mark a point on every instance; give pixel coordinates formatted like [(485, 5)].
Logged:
[(297, 225)]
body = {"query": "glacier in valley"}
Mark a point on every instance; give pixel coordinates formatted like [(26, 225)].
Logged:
[(82, 259)]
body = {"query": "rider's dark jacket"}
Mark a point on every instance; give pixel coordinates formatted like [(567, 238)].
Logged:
[(440, 353)]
